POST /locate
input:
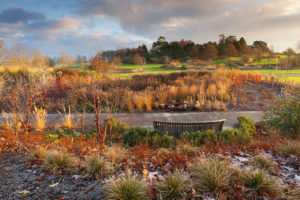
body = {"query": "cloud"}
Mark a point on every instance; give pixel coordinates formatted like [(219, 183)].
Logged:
[(17, 15), (56, 25), (199, 20), (82, 25)]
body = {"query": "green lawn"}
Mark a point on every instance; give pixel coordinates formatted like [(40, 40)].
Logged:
[(147, 69), (284, 75), (268, 60)]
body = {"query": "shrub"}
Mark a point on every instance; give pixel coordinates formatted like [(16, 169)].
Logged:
[(261, 162), (127, 187), (233, 136), (98, 166), (132, 136), (39, 153), (288, 149), (155, 138), (58, 159), (246, 125), (115, 129), (174, 186), (211, 175), (199, 138), (284, 115), (116, 153), (186, 149), (258, 183)]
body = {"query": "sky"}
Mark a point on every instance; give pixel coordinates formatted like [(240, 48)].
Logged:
[(86, 26)]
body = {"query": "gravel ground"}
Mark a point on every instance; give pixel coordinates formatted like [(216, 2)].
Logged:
[(21, 180)]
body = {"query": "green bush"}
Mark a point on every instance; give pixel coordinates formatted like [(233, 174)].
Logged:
[(227, 136), (246, 125), (115, 129), (284, 115), (199, 138), (69, 133), (131, 136), (234, 136), (155, 138)]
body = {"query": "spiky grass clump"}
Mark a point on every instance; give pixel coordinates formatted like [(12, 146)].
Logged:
[(98, 166), (58, 159), (39, 153), (127, 187), (115, 153), (174, 186), (294, 194), (212, 176), (187, 149), (289, 149), (259, 183), (261, 162)]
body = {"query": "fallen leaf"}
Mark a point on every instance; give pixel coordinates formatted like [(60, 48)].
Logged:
[(145, 173), (53, 185), (24, 192)]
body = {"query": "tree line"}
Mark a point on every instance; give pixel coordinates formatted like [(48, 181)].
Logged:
[(162, 50)]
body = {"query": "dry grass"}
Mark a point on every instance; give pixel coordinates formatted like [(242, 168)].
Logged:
[(130, 104), (257, 182), (12, 122), (173, 186), (39, 153), (139, 102), (217, 105), (115, 153), (98, 166), (289, 149), (212, 176), (55, 159), (127, 187), (211, 90), (261, 162), (148, 100), (187, 149), (68, 118), (40, 118)]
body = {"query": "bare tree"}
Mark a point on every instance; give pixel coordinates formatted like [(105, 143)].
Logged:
[(65, 59), (138, 60), (39, 59), (19, 55), (98, 64), (116, 60), (298, 47), (95, 97), (3, 51), (23, 95)]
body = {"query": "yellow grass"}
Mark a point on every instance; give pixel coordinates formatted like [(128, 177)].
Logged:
[(68, 119), (40, 118)]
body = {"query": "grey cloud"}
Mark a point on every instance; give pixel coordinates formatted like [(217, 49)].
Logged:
[(199, 20), (141, 16), (17, 15)]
